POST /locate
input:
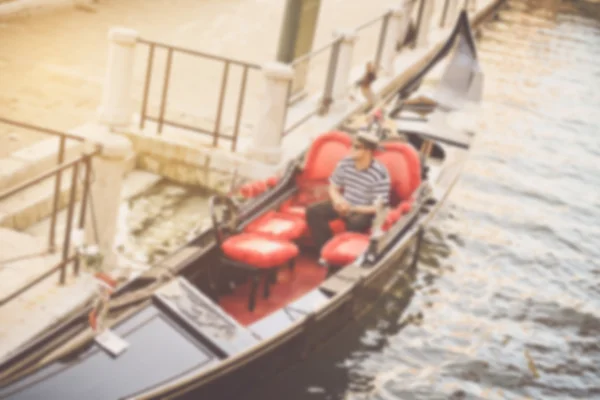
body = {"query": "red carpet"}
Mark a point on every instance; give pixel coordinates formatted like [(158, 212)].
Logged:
[(290, 285)]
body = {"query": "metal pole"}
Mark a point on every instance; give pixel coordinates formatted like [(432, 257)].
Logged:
[(163, 101), (382, 36), (147, 85), (57, 185), (84, 199), (333, 61), (221, 101), (240, 108), (67, 242)]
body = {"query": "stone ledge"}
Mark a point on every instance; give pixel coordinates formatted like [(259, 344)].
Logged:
[(35, 203), (34, 160), (22, 8), (184, 158)]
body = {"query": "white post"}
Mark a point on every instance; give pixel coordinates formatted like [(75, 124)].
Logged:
[(425, 26), (268, 132), (116, 108), (391, 40), (341, 83), (108, 172)]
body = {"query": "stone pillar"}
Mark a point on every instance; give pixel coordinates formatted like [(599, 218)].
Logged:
[(388, 55), (108, 172), (116, 108), (425, 24), (268, 132), (341, 83)]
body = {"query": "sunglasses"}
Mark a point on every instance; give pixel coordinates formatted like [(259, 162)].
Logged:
[(358, 146)]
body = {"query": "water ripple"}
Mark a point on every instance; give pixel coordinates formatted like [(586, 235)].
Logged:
[(505, 303)]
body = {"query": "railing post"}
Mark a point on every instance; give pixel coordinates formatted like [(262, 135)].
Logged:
[(108, 171), (268, 131), (388, 52), (341, 83), (425, 23), (116, 107), (330, 78), (406, 6)]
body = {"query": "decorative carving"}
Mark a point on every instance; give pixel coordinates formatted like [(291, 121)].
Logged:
[(199, 311)]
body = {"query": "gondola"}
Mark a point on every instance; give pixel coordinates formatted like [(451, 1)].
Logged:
[(246, 297)]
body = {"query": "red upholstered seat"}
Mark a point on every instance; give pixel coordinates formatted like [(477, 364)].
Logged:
[(259, 250), (404, 166), (323, 156), (344, 248), (313, 182), (400, 158), (278, 225)]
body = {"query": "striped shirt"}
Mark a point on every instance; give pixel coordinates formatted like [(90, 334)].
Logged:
[(362, 187)]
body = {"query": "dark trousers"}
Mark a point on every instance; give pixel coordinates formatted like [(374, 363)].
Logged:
[(320, 214)]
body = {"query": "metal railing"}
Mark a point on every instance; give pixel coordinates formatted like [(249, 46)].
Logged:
[(334, 47), (384, 20), (161, 120), (79, 165)]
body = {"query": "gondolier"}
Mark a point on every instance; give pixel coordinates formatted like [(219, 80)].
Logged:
[(355, 185)]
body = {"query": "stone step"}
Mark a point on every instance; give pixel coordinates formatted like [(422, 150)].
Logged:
[(136, 182), (41, 308), (34, 204), (41, 157), (32, 161), (30, 205)]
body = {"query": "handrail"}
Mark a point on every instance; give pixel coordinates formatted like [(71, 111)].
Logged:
[(199, 53), (80, 165), (161, 119), (314, 53), (40, 129), (370, 22), (335, 44), (38, 179)]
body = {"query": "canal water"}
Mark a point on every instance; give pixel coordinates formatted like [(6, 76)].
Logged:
[(505, 302)]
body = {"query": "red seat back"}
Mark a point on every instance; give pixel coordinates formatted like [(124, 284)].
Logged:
[(404, 167), (323, 156), (401, 160)]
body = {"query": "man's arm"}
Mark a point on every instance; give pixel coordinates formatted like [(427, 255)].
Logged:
[(363, 209), (335, 193), (380, 189), (336, 181)]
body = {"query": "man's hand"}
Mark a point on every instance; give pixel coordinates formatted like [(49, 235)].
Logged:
[(341, 206)]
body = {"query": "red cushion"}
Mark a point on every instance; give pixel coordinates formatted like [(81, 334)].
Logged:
[(337, 226), (289, 207), (272, 181), (398, 171), (413, 162), (253, 189), (323, 156), (396, 213), (259, 250), (278, 225), (403, 164), (344, 248)]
